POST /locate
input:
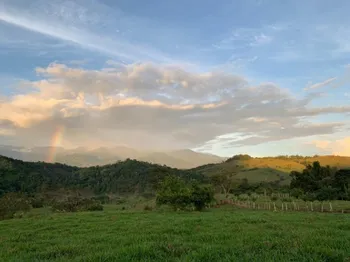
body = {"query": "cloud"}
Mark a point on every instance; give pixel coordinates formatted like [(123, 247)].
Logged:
[(240, 38), (261, 39), (339, 147), (156, 106), (90, 25), (321, 84)]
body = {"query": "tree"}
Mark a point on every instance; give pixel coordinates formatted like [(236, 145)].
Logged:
[(225, 180), (174, 192), (321, 183), (312, 178), (342, 183), (201, 196)]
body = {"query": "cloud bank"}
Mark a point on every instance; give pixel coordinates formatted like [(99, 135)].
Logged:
[(149, 105)]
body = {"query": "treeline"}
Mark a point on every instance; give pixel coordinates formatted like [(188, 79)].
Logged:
[(30, 177), (317, 182)]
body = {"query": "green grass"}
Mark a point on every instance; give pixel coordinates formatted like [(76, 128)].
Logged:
[(223, 234)]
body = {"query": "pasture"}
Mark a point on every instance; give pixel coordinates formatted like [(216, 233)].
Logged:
[(223, 234)]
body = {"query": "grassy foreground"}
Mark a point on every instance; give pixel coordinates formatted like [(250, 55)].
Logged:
[(215, 235)]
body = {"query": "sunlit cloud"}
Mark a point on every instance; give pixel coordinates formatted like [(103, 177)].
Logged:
[(157, 101)]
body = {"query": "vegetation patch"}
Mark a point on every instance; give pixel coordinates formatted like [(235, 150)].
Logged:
[(13, 205), (75, 204)]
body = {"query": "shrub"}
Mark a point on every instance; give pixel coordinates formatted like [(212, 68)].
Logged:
[(147, 208), (308, 196), (103, 199), (326, 193), (274, 198), (119, 201), (286, 199), (296, 192), (75, 204), (254, 197), (243, 197), (93, 206), (37, 202), (12, 204), (239, 157)]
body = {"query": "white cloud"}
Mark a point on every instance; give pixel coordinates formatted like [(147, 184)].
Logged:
[(261, 39), (156, 106), (321, 84), (339, 147)]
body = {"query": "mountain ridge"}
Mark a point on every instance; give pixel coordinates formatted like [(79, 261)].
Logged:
[(84, 157)]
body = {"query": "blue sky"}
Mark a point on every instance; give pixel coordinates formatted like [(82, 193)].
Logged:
[(300, 47)]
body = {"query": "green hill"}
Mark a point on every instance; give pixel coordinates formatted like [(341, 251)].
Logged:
[(129, 176), (269, 169), (132, 176)]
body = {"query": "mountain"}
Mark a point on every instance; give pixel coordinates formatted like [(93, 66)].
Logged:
[(84, 157)]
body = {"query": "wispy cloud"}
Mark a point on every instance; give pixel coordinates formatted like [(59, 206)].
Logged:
[(321, 84), (240, 38), (81, 26), (261, 39)]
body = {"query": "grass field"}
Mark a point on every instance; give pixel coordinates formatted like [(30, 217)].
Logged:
[(223, 234)]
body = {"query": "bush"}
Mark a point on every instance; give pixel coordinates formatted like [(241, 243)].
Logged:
[(93, 206), (103, 199), (296, 192), (76, 204), (37, 202), (243, 197), (286, 199), (326, 193), (254, 197), (147, 208), (309, 197), (239, 157), (12, 204), (119, 201), (274, 198)]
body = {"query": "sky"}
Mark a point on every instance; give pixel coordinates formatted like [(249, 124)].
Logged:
[(262, 77)]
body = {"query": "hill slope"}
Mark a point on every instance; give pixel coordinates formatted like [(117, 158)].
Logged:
[(129, 176), (269, 169)]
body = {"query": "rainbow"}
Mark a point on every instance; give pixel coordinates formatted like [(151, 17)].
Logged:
[(56, 140)]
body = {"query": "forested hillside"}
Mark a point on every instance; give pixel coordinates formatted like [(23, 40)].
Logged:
[(129, 176), (242, 172)]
